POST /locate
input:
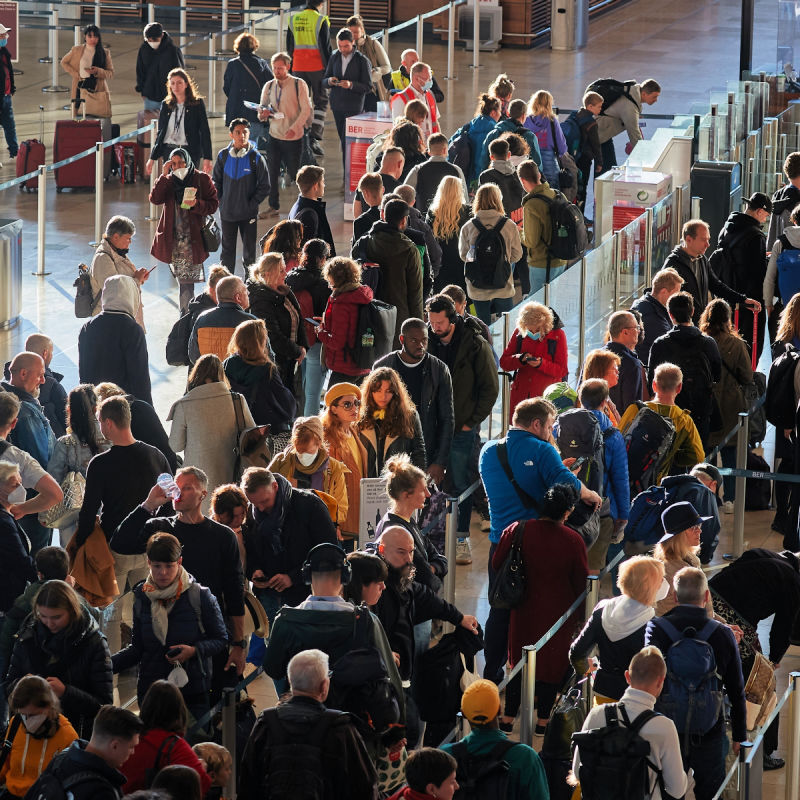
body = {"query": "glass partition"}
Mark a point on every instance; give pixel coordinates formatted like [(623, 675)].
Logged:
[(662, 236), (495, 421), (116, 623), (599, 293), (565, 300), (632, 278)]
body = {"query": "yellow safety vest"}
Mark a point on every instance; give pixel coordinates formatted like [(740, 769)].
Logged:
[(399, 81), (305, 27)]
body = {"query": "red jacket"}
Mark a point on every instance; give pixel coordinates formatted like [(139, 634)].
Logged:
[(146, 752), (532, 381), (339, 325), (407, 793), (207, 203)]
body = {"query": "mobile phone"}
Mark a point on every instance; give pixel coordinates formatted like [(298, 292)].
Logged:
[(578, 464), (173, 652), (312, 321), (151, 269)]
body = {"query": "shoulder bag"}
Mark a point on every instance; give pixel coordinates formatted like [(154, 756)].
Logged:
[(212, 237), (508, 589)]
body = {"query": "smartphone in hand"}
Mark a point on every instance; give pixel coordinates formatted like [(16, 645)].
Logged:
[(174, 652)]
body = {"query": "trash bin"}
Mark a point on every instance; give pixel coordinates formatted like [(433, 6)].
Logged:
[(10, 272), (569, 24)]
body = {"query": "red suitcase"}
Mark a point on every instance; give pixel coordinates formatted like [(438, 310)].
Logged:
[(31, 155), (73, 137)]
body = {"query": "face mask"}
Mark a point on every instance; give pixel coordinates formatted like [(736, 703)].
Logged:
[(428, 85), (3, 42), (534, 336), (663, 590), (17, 495), (178, 676), (307, 459), (33, 722), (119, 250), (180, 174), (154, 45)]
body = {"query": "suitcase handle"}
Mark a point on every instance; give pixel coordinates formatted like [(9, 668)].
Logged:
[(754, 348)]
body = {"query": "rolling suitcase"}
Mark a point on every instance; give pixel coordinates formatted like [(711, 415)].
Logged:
[(72, 137), (31, 155)]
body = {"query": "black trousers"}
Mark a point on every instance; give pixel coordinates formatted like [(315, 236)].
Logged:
[(319, 98), (341, 126), (231, 229), (279, 151), (609, 154)]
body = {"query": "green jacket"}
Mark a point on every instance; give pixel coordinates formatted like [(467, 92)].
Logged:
[(536, 232), (473, 370), (526, 777)]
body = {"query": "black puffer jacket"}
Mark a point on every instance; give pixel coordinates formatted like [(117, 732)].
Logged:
[(747, 245), (783, 203), (79, 659), (310, 280), (153, 66)]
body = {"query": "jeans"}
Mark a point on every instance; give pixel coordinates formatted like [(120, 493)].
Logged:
[(231, 229), (706, 756), (272, 603), (458, 471), (279, 151), (9, 127), (484, 308), (259, 133), (151, 105), (539, 276), (313, 378), (495, 633)]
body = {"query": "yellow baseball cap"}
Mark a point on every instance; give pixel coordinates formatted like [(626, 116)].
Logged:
[(480, 703)]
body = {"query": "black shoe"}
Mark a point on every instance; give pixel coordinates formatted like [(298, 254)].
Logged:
[(508, 727), (316, 148), (773, 762)]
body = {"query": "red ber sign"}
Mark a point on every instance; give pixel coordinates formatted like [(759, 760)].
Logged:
[(9, 16)]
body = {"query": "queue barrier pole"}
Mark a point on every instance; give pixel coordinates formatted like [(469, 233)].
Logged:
[(223, 39), (742, 437), (420, 29), (48, 59), (98, 194), (182, 23), (212, 79), (793, 750), (76, 31), (504, 421), (154, 213), (451, 528), (97, 13), (151, 12), (54, 84), (229, 735), (41, 204), (476, 36), (527, 721)]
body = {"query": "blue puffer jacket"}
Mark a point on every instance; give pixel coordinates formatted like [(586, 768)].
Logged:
[(615, 477), (184, 628), (479, 129)]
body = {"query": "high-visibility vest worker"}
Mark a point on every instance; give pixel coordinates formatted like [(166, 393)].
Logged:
[(305, 27), (399, 81)]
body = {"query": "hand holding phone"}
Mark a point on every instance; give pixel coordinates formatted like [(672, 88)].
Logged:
[(312, 321), (174, 652), (578, 464)]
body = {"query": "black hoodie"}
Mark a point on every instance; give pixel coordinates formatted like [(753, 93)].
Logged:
[(783, 202), (746, 244), (153, 66)]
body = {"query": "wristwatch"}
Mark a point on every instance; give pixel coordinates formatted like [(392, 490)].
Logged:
[(239, 643)]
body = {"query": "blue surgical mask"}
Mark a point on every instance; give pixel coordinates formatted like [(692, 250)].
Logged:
[(534, 336), (428, 85), (3, 42)]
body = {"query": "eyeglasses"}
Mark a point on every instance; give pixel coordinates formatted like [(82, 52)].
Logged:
[(348, 404)]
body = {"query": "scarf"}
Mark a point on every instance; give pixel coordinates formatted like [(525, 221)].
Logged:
[(162, 601), (379, 413)]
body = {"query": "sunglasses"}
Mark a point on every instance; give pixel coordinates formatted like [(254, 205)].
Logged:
[(348, 404)]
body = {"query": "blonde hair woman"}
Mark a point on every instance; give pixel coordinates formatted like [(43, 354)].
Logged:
[(552, 144), (536, 353), (447, 215), (274, 302), (502, 88), (605, 365), (617, 625), (307, 464), (486, 294)]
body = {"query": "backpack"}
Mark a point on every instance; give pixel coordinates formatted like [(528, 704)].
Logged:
[(758, 491), (490, 269), (644, 527), (571, 128), (178, 340), (194, 600), (614, 759), (610, 89), (648, 443), (460, 150), (360, 681), (568, 237), (579, 435), (788, 264), (374, 333), (721, 260), (779, 405), (698, 387), (294, 767), (85, 300), (51, 786), (481, 776), (691, 696)]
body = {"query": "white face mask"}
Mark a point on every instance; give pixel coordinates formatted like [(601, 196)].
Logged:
[(33, 722), (663, 590), (17, 495), (307, 459), (180, 174), (178, 676), (154, 45)]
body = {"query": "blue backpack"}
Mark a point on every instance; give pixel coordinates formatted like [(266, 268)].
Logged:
[(788, 265), (644, 527), (691, 697)]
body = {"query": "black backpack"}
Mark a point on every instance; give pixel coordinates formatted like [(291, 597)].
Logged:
[(85, 299), (610, 89), (459, 151), (697, 391), (579, 435), (374, 333), (648, 442), (481, 776), (294, 768), (50, 786), (568, 237), (490, 268), (779, 405), (178, 340), (614, 761)]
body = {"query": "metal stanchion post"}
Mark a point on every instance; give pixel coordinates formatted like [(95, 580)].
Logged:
[(212, 79), (51, 53), (450, 533), (151, 12), (54, 86), (582, 313), (283, 22), (617, 267), (793, 749), (385, 39), (738, 504), (476, 36), (592, 593), (154, 212), (547, 294), (229, 735), (420, 27), (223, 39), (356, 7), (459, 726), (451, 45), (76, 31), (98, 194), (97, 13), (182, 25), (648, 245), (506, 397), (527, 719), (41, 205), (696, 207), (741, 776)]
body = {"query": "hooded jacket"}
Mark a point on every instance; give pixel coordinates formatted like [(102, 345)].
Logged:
[(616, 628), (279, 540), (783, 203), (108, 262), (746, 244), (502, 173), (656, 322), (771, 288), (629, 386), (153, 66), (79, 658), (622, 115), (242, 182), (112, 346), (315, 220), (616, 486), (308, 284), (543, 128), (479, 128), (511, 126), (270, 402), (536, 226)]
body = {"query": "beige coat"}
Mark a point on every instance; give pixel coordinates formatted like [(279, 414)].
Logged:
[(106, 263), (204, 428), (97, 103)]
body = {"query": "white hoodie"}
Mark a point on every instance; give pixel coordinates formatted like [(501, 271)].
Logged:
[(622, 616)]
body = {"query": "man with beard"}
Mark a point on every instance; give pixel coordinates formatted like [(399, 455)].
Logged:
[(406, 603)]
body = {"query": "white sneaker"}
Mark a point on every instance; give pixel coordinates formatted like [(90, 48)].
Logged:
[(727, 507), (463, 552)]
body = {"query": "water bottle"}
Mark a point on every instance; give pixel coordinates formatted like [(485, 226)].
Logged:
[(471, 253), (168, 485)]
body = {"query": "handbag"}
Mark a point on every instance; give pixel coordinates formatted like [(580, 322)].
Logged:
[(468, 677), (759, 692), (569, 714), (566, 179), (252, 445), (85, 300), (508, 589), (212, 237), (66, 512)]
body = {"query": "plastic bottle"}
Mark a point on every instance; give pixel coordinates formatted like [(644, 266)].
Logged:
[(471, 253), (170, 488)]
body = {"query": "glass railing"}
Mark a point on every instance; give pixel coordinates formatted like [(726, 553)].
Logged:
[(599, 294), (116, 622)]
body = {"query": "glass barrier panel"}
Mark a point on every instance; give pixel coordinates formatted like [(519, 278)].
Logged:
[(663, 222), (599, 294), (493, 427), (116, 623), (565, 300), (631, 267)]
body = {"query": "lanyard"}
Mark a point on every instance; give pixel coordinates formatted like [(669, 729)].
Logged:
[(179, 115)]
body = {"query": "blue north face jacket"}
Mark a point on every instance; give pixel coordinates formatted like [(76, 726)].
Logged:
[(242, 182)]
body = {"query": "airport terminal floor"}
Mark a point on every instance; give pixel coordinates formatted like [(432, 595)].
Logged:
[(689, 46)]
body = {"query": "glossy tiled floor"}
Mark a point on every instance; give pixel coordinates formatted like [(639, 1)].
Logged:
[(691, 47)]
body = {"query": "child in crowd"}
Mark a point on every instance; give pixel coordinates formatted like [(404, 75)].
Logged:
[(218, 763)]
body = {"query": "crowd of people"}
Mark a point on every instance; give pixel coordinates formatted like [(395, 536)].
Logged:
[(252, 502)]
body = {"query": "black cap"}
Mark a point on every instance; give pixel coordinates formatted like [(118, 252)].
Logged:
[(326, 557), (759, 200), (678, 518)]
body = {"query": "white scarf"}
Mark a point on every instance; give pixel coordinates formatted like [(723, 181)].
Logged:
[(162, 601)]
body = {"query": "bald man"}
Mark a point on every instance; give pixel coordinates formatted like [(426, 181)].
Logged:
[(52, 396)]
